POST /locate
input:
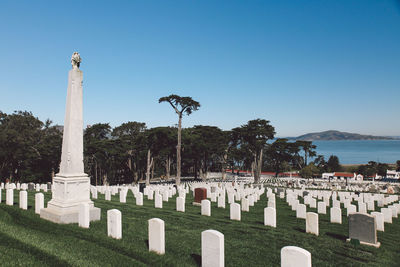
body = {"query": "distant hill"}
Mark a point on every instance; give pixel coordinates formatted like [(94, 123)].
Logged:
[(336, 135)]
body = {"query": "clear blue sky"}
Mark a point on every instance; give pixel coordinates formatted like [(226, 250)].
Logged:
[(304, 65)]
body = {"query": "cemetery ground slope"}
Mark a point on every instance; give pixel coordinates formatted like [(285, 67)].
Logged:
[(25, 239)]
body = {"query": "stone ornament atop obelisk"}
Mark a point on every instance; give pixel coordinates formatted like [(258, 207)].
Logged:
[(72, 147), (71, 186)]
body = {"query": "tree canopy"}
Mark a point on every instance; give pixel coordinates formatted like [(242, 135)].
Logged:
[(30, 150), (181, 105), (254, 136)]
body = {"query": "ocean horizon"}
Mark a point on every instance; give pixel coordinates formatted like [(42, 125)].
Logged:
[(360, 151)]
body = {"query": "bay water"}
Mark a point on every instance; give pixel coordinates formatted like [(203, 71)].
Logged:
[(360, 151)]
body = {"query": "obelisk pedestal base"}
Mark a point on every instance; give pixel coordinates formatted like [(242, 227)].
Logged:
[(61, 216), (69, 192)]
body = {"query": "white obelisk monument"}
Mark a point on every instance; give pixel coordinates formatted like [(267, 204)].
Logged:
[(71, 186)]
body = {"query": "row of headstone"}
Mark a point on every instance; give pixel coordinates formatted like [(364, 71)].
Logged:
[(362, 226), (321, 184), (24, 186), (212, 243), (270, 212), (23, 200)]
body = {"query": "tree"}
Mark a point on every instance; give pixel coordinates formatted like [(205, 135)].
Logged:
[(161, 141), (49, 148), (238, 157), (132, 138), (382, 169), (398, 165), (228, 144), (309, 171), (333, 164), (373, 168), (29, 149), (279, 153), (308, 149), (181, 105), (254, 136), (20, 136), (94, 139), (321, 164), (206, 147)]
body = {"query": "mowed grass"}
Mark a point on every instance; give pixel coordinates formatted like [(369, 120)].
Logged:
[(25, 239)]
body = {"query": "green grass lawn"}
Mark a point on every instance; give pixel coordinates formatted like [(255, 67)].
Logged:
[(25, 239)]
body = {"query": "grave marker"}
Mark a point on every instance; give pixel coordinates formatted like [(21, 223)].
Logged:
[(157, 236), (84, 215), (321, 207), (23, 200), (301, 211), (235, 212), (292, 256), (336, 215), (139, 199), (380, 223), (212, 249), (158, 201), (114, 224), (312, 223), (39, 202), (199, 195), (10, 197), (206, 207), (363, 228), (270, 216), (180, 204)]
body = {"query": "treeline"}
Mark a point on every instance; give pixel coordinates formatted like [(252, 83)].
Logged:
[(30, 150), (373, 168)]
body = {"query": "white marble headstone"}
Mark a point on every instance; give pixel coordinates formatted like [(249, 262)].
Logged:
[(212, 249)]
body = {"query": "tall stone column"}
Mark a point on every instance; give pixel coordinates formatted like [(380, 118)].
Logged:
[(71, 186)]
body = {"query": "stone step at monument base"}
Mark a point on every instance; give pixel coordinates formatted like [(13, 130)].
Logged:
[(65, 217)]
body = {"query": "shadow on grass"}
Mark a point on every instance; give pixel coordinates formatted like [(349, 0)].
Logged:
[(197, 258), (37, 253), (299, 229), (52, 228), (361, 260), (337, 236), (224, 222)]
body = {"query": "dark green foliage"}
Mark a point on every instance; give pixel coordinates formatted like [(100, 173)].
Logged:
[(279, 154), (253, 137), (181, 104), (372, 168), (131, 140), (30, 150), (309, 171), (321, 164), (308, 150), (333, 164), (28, 147), (162, 143), (204, 148)]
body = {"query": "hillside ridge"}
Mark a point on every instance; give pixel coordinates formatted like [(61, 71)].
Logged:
[(338, 135)]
